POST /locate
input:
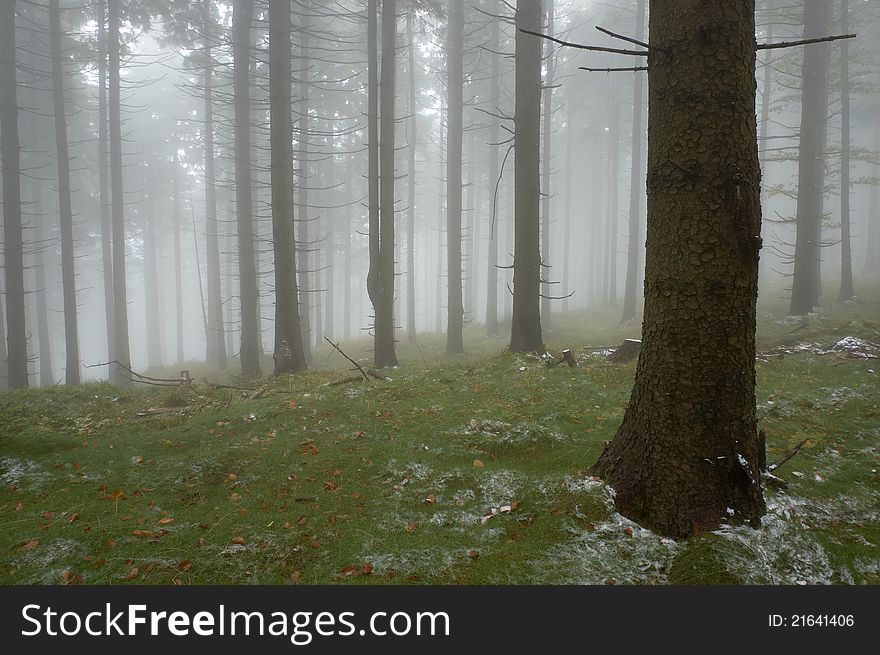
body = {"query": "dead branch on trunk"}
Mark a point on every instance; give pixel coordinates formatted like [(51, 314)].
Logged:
[(792, 44)]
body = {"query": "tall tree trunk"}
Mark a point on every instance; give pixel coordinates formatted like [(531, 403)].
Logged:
[(47, 373), (547, 167), (455, 109), (569, 187), (243, 11), (811, 158), (231, 292), (687, 452), (494, 101), (68, 275), (103, 183), (847, 291), (178, 269), (636, 178), (151, 287), (872, 246), (764, 128), (381, 279), (289, 356), (411, 187), (13, 245), (303, 224), (346, 308), (525, 331), (117, 205), (216, 347), (613, 197)]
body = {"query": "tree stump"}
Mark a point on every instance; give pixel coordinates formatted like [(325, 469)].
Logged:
[(627, 351)]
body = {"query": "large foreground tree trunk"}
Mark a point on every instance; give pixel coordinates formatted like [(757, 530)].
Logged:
[(13, 245), (525, 329), (686, 455)]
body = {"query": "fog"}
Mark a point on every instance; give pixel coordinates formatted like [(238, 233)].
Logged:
[(176, 252)]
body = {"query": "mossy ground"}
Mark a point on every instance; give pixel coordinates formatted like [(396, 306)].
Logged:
[(467, 469)]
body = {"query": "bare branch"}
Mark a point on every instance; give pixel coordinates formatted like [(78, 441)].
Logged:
[(592, 48), (792, 44)]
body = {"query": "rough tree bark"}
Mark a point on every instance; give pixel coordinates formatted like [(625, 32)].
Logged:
[(455, 102), (636, 177), (68, 274), (117, 206), (525, 329), (289, 356), (686, 455), (811, 162), (243, 11)]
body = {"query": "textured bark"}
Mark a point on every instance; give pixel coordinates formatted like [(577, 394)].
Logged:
[(242, 16), (493, 172), (847, 290), (103, 184), (546, 164), (13, 246), (811, 161), (411, 186), (636, 178), (68, 279), (288, 355), (525, 330), (117, 206), (216, 347), (687, 453), (455, 103)]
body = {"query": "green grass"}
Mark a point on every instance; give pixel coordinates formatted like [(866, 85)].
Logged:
[(467, 469)]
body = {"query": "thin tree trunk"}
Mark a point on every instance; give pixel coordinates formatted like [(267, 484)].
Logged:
[(807, 254), (250, 333), (216, 347), (687, 453), (346, 309), (764, 129), (117, 202), (151, 288), (613, 202), (455, 108), (494, 130), (231, 291), (103, 182), (382, 287), (569, 184), (872, 246), (289, 356), (68, 274), (12, 229), (525, 334), (4, 362), (546, 163), (303, 224), (847, 291), (178, 269), (47, 374), (411, 188), (636, 178)]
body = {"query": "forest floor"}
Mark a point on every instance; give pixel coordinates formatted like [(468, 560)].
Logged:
[(469, 469)]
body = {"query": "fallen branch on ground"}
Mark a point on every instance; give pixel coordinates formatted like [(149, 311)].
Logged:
[(791, 453)]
